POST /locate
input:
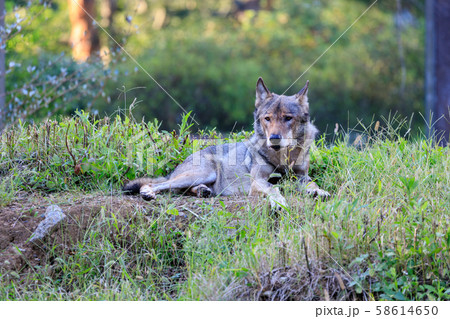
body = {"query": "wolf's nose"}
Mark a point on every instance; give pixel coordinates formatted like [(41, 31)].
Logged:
[(275, 139)]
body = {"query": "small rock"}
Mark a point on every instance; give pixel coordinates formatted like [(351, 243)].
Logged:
[(53, 216)]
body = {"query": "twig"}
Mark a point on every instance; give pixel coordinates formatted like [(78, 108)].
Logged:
[(307, 259), (68, 149)]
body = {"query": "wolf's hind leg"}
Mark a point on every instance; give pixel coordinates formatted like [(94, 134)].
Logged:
[(147, 192), (201, 190), (187, 180), (134, 186)]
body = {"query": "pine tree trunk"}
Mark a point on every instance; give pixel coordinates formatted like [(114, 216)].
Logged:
[(84, 36)]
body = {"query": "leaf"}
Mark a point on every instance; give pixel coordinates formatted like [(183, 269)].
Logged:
[(239, 272), (399, 296), (275, 175), (359, 259), (173, 211), (430, 288)]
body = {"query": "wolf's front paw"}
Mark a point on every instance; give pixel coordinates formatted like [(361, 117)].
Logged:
[(317, 192), (147, 193)]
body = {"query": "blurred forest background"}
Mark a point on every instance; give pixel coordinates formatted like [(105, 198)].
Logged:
[(208, 55)]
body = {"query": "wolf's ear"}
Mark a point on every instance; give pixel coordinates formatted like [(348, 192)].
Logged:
[(304, 91), (262, 92), (302, 95)]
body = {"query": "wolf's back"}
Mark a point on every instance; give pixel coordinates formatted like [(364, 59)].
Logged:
[(134, 186)]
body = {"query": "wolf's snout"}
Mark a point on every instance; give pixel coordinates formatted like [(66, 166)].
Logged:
[(275, 139)]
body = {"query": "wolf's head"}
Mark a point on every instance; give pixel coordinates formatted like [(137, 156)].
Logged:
[(281, 120)]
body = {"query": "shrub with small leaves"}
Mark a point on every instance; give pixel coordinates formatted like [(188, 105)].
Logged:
[(38, 87)]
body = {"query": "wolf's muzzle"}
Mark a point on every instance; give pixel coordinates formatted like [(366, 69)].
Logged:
[(275, 141)]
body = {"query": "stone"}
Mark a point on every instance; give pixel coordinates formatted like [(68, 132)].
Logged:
[(53, 216)]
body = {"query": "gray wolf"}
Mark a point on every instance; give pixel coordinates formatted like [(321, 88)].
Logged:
[(281, 144)]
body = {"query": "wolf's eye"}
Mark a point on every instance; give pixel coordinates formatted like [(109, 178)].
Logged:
[(267, 119), (288, 118)]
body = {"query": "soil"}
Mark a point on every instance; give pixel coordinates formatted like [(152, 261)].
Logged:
[(19, 220)]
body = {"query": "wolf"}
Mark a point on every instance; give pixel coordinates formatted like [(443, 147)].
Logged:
[(280, 145)]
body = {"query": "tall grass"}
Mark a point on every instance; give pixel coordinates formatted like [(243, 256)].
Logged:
[(384, 234)]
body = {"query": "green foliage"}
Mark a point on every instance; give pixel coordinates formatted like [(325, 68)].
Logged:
[(100, 263), (210, 65), (41, 79), (208, 58), (400, 193), (385, 231), (88, 153)]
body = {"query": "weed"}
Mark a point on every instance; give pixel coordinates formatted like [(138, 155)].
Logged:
[(384, 234)]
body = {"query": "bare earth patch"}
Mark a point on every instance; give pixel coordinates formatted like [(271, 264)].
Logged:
[(19, 220)]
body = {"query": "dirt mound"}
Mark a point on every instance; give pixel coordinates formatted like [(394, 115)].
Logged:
[(19, 220)]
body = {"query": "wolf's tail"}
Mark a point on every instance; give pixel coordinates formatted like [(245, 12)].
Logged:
[(134, 186)]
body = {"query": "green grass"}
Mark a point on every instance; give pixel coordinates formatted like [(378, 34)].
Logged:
[(383, 235)]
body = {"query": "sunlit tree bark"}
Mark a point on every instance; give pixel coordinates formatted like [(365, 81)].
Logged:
[(84, 36)]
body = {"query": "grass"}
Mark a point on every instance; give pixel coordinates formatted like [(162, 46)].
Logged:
[(383, 235)]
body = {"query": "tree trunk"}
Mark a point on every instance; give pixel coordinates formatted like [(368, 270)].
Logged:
[(107, 10), (84, 36), (429, 66), (401, 51), (269, 5), (247, 5), (438, 69), (2, 69)]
